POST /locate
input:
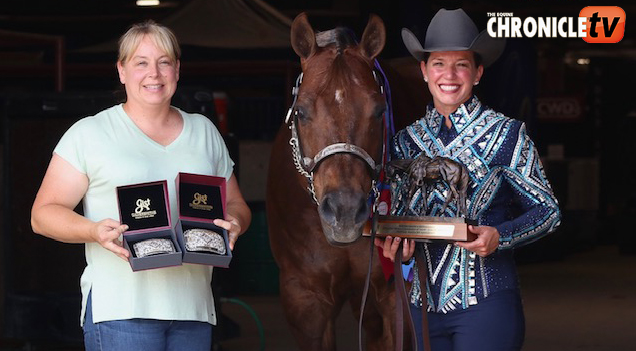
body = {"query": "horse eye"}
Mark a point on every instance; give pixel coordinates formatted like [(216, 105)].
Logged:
[(300, 113), (379, 111)]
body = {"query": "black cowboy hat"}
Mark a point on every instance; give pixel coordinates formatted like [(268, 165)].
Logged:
[(453, 30)]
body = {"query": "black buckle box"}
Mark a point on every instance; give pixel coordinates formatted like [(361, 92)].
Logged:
[(201, 200), (145, 208)]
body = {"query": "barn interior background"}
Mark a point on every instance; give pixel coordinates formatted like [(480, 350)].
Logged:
[(57, 64)]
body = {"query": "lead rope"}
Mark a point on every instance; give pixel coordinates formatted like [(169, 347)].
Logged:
[(397, 268), (367, 281), (387, 135), (423, 275), (402, 305)]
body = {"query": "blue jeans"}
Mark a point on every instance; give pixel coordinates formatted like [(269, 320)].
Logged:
[(145, 334), (496, 323)]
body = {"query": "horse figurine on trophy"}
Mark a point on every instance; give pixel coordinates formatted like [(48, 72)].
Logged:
[(424, 170)]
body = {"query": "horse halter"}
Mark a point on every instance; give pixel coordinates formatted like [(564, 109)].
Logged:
[(307, 165)]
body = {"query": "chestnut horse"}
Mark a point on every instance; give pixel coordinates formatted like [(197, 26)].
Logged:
[(314, 238), (322, 167)]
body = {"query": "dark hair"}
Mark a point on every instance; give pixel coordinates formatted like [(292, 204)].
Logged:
[(476, 57)]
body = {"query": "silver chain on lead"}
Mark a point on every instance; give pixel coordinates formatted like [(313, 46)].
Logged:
[(376, 195), (293, 141)]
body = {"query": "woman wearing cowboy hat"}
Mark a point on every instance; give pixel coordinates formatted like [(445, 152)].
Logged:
[(472, 291)]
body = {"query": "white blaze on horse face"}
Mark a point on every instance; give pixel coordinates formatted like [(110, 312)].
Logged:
[(339, 96)]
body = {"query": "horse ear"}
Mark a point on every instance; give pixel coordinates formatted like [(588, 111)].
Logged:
[(373, 37), (303, 38)]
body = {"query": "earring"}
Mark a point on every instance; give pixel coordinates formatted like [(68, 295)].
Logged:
[(476, 83), (426, 79)]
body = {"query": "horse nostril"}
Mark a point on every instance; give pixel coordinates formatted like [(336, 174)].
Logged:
[(327, 210), (362, 214)]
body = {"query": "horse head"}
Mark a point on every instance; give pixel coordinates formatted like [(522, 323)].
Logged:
[(338, 119)]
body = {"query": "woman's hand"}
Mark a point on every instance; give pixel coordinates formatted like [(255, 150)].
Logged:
[(390, 246), (486, 243), (233, 227), (107, 233)]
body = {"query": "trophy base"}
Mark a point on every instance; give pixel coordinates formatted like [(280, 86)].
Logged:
[(423, 228)]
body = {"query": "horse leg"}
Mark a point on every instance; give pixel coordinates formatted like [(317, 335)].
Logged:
[(455, 196), (310, 315), (378, 320)]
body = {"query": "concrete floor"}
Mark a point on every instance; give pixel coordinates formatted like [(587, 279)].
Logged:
[(583, 301), (586, 301)]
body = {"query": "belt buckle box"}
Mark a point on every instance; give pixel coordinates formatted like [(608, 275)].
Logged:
[(201, 200), (145, 208)]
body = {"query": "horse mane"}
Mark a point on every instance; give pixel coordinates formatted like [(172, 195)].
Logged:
[(340, 36)]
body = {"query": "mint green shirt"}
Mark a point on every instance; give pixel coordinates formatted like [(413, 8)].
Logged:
[(112, 151)]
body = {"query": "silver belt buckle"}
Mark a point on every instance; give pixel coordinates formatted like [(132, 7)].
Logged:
[(154, 246), (204, 240)]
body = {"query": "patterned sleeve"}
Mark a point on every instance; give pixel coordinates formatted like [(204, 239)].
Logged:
[(395, 151), (532, 192)]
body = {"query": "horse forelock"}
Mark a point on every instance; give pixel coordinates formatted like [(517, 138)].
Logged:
[(336, 69), (340, 37)]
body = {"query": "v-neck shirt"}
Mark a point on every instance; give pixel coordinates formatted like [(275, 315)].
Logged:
[(113, 151), (184, 129)]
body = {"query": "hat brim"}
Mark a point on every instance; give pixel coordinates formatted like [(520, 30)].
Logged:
[(487, 47)]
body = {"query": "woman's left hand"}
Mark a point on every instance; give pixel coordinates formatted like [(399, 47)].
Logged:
[(486, 243), (233, 228)]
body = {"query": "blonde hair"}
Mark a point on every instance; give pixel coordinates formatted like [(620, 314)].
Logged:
[(160, 35)]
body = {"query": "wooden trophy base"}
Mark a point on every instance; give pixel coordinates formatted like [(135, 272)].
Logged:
[(423, 228)]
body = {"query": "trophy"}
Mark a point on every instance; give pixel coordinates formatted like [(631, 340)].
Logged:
[(421, 173)]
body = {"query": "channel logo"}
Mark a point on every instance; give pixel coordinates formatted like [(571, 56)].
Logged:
[(605, 24), (595, 24)]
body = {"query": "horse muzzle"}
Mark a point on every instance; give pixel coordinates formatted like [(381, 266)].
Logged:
[(343, 214)]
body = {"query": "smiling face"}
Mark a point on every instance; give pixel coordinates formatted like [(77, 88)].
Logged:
[(451, 76), (149, 75)]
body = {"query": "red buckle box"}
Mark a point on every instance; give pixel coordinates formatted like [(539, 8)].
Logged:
[(145, 208), (201, 200)]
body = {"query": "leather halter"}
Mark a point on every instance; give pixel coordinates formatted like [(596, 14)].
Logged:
[(307, 165)]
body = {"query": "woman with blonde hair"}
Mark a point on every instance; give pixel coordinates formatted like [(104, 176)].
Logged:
[(141, 140)]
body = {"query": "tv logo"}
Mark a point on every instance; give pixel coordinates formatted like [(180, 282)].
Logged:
[(605, 24), (595, 24)]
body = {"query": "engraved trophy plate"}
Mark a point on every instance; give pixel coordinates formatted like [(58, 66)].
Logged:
[(423, 228)]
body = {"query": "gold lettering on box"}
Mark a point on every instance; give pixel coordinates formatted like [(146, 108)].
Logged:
[(200, 202), (143, 210)]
